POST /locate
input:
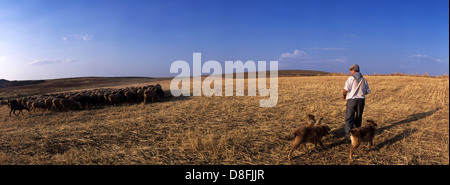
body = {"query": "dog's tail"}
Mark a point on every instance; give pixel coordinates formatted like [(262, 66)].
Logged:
[(318, 122), (288, 137)]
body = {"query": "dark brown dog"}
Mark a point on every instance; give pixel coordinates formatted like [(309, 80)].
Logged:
[(311, 134), (312, 121), (362, 134)]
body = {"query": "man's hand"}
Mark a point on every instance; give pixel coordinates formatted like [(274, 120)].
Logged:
[(344, 94)]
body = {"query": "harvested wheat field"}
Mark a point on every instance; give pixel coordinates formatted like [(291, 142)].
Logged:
[(412, 115)]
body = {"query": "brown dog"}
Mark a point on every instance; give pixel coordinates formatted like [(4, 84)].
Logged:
[(311, 134), (312, 121), (362, 134)]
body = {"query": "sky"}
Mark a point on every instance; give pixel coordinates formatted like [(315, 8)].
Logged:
[(47, 39)]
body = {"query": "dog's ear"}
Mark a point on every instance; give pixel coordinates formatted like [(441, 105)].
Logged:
[(318, 122)]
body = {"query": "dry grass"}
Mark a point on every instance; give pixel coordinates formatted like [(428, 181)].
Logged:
[(412, 114)]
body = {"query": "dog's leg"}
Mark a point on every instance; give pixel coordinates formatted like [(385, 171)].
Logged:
[(351, 152), (294, 146), (355, 144), (304, 147), (370, 144), (10, 112), (320, 143), (290, 153), (315, 146)]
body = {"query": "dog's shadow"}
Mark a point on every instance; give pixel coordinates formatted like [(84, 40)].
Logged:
[(307, 153), (338, 133), (406, 133), (409, 119)]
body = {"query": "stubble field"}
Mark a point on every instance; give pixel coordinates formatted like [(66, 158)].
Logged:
[(412, 115)]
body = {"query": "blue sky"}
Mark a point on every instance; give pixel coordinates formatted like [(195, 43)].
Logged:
[(43, 39)]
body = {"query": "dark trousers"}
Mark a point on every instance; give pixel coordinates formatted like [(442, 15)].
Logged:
[(353, 116)]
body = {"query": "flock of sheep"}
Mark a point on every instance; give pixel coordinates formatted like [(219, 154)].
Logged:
[(86, 99)]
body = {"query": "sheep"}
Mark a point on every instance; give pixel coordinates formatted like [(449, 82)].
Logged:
[(131, 96), (106, 97), (98, 97), (150, 95), (89, 98), (94, 99), (83, 99), (23, 100), (159, 91), (30, 104), (15, 105), (115, 99), (48, 102), (140, 94), (68, 104), (39, 105), (3, 102), (56, 104)]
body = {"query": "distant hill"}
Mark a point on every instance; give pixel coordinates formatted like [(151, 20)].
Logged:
[(5, 83), (289, 73)]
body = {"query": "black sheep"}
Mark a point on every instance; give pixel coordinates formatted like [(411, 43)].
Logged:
[(15, 105)]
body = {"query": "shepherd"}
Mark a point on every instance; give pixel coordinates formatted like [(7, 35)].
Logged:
[(355, 90)]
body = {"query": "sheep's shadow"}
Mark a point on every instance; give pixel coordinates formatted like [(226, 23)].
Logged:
[(171, 98)]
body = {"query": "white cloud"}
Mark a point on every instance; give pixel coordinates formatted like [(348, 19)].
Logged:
[(337, 60), (349, 42), (298, 54), (352, 36), (426, 58), (330, 49), (87, 37), (84, 37), (420, 56), (3, 59), (51, 61)]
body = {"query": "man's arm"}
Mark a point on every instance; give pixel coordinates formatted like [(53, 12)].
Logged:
[(344, 94), (347, 87), (367, 87)]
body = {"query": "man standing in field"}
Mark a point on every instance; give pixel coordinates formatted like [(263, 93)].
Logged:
[(355, 90)]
